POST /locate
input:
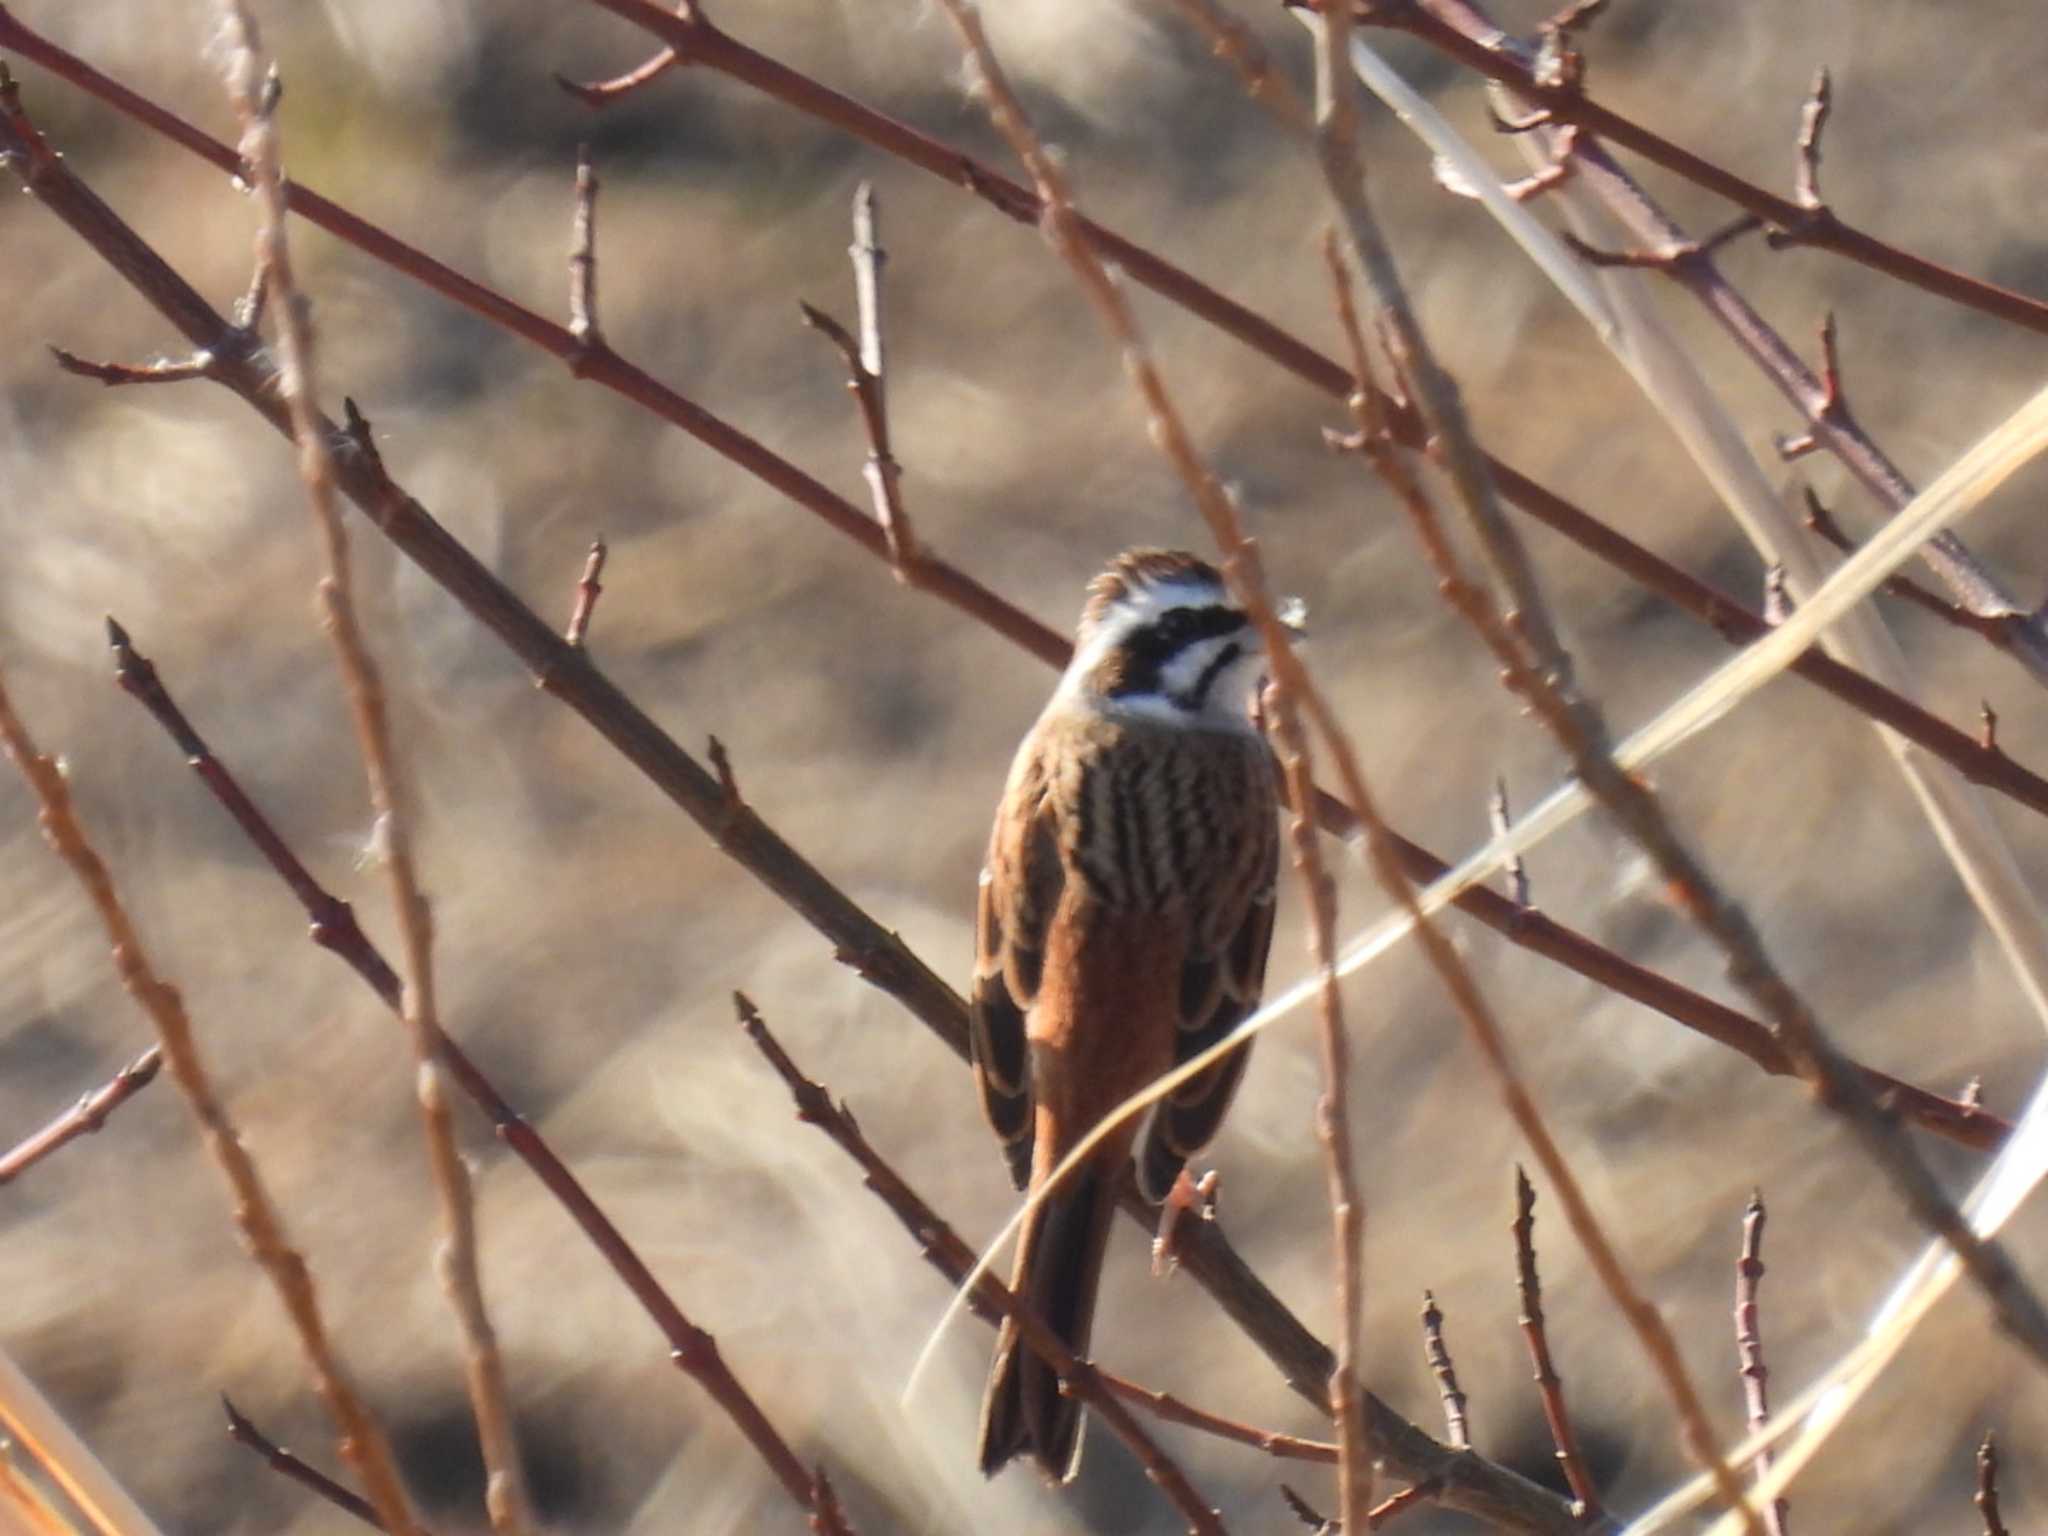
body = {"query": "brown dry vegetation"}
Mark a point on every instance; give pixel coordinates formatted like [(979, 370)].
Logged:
[(590, 938)]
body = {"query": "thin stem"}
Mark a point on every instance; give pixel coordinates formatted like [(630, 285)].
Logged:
[(362, 1441), (83, 1118), (254, 91)]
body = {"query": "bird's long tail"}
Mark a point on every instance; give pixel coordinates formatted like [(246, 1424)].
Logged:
[(1059, 1264)]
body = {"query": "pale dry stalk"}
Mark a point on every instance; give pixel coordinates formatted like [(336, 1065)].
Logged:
[(255, 94)]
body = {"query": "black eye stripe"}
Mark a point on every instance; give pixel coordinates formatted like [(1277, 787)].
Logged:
[(1150, 647)]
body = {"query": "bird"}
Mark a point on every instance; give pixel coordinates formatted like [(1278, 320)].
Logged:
[(1123, 921)]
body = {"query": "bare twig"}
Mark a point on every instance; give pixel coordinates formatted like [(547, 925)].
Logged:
[(362, 1441), (334, 928), (1641, 1317), (1434, 394), (1289, 691), (1568, 103), (1987, 1487), (1818, 396), (1530, 649), (1726, 616), (588, 589), (583, 263), (165, 371), (867, 382), (1822, 522), (243, 1432), (1438, 1354), (1749, 1345), (1178, 1411), (1529, 1292), (84, 1117), (1470, 1483), (944, 1250), (255, 95), (1813, 117)]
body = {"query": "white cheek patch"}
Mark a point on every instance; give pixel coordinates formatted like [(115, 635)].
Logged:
[(1136, 609)]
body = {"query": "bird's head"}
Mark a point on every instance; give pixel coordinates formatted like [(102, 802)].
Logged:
[(1162, 637)]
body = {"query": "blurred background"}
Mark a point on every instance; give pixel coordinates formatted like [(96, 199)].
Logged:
[(589, 935)]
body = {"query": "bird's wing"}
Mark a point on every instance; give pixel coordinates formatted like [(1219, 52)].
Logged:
[(1221, 980), (1020, 891)]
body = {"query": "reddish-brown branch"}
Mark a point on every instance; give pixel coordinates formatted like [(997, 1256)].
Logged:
[(164, 371), (1438, 1354), (244, 1433), (942, 1247), (568, 673), (1818, 396), (1529, 1292), (1377, 1516), (1796, 224), (361, 1438), (1177, 1411), (596, 363), (1749, 1345), (84, 1117), (334, 927), (1547, 690), (1822, 522), (1729, 618)]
